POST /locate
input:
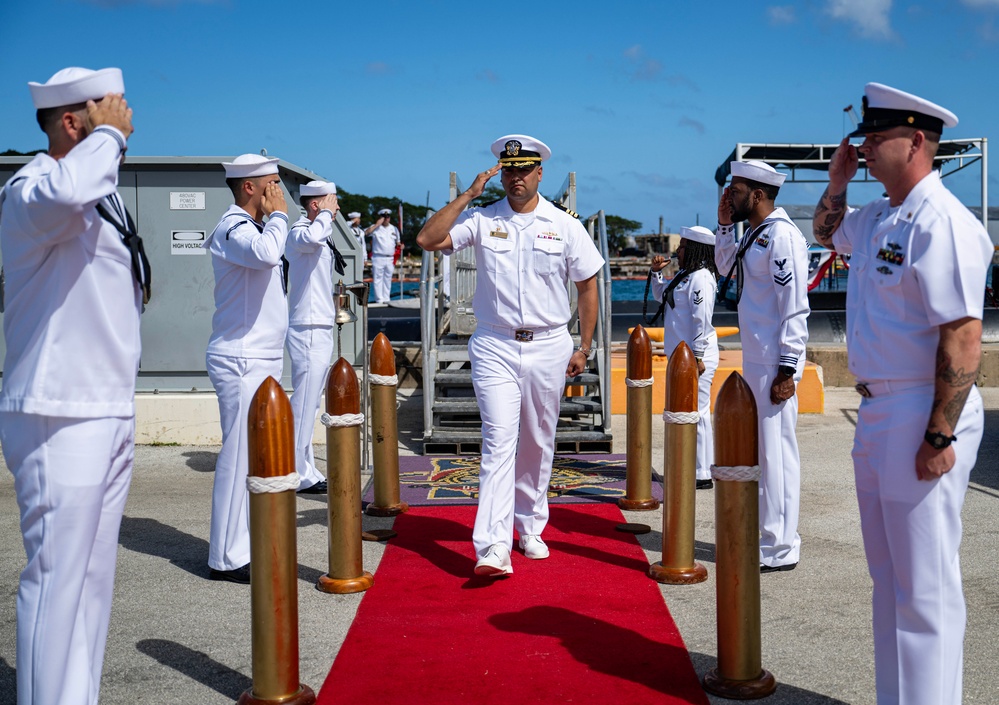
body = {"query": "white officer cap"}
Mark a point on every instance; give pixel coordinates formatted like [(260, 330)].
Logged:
[(76, 85), (318, 188), (698, 233), (520, 150), (758, 171), (384, 211), (886, 107), (247, 166), (352, 215)]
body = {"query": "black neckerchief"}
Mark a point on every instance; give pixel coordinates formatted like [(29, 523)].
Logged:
[(668, 297), (744, 246), (339, 263), (284, 260), (130, 237)]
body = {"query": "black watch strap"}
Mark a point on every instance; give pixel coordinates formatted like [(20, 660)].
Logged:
[(938, 440)]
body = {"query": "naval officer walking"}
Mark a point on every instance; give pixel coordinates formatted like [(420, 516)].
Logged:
[(76, 277), (914, 313), (311, 256), (525, 249), (247, 342), (772, 259)]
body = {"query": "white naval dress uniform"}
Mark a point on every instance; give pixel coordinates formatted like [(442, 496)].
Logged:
[(690, 322), (359, 236), (67, 408), (310, 330), (913, 268), (246, 347), (523, 261), (773, 327), (383, 241)]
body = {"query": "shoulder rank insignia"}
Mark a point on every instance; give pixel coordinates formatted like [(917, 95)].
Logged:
[(782, 276), (698, 299), (573, 213), (489, 203), (891, 254), (884, 270)]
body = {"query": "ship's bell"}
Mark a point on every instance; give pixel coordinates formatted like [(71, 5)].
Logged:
[(341, 304)]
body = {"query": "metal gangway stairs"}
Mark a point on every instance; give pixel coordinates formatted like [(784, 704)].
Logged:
[(451, 421)]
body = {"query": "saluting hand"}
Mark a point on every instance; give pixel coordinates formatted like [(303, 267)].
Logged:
[(659, 262), (113, 110), (479, 185), (842, 166), (273, 200), (330, 203), (725, 208)]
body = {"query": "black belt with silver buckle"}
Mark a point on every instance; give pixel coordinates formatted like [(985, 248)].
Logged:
[(862, 390), (523, 335)]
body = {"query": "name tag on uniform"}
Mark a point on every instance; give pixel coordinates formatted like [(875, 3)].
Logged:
[(499, 233)]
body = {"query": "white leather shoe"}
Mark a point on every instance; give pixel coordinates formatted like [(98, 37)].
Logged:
[(534, 547), (495, 562)]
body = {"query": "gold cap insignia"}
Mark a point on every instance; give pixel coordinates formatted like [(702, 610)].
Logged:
[(513, 148)]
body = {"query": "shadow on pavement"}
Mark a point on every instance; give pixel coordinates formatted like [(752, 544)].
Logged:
[(201, 460), (155, 538), (8, 683), (986, 470), (784, 695), (198, 666)]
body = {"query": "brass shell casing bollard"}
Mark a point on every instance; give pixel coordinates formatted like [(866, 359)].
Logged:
[(343, 479), (384, 432), (740, 674), (274, 554), (638, 476), (678, 566)]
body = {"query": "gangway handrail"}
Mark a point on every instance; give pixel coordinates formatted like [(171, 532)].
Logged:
[(599, 220)]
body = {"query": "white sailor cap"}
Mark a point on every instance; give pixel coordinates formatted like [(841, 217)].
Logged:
[(520, 150), (352, 215), (75, 85), (247, 166), (886, 107), (385, 211), (760, 172), (698, 233), (317, 188)]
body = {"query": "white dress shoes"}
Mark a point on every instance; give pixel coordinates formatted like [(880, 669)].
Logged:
[(534, 547), (495, 562)]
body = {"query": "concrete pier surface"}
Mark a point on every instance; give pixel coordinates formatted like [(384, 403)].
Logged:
[(177, 637)]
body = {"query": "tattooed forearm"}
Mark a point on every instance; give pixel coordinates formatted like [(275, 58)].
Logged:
[(828, 215), (954, 382), (947, 373)]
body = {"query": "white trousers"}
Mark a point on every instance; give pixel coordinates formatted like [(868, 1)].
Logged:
[(71, 477), (780, 467), (519, 388), (705, 436), (381, 273), (236, 380), (912, 533), (310, 349)]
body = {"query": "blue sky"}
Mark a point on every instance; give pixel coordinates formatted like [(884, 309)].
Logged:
[(643, 100)]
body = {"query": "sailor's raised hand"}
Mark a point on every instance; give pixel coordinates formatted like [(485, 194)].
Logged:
[(479, 184), (112, 110)]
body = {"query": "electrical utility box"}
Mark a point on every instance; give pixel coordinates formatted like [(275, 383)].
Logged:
[(176, 203)]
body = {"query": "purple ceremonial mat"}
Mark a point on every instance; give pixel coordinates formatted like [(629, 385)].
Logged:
[(426, 480)]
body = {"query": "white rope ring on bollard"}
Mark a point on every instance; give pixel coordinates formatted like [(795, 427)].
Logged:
[(384, 380), (341, 421), (739, 473), (638, 383), (272, 485), (681, 417)]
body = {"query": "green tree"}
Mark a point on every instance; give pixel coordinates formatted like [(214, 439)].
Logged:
[(413, 216), (618, 231)]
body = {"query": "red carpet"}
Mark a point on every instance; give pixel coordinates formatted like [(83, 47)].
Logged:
[(584, 626)]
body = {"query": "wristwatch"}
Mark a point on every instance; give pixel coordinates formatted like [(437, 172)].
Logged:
[(938, 440)]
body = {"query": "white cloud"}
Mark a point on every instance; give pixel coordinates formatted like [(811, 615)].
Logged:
[(868, 17), (781, 14)]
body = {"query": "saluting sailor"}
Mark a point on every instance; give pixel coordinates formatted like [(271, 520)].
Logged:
[(772, 263), (76, 277), (914, 328), (525, 250), (354, 219), (687, 312), (311, 257), (384, 238), (247, 341)]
